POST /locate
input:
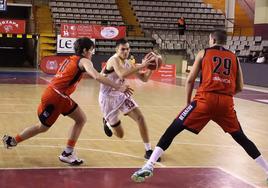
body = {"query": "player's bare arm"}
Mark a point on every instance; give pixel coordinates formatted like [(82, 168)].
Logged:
[(239, 79), (122, 72), (145, 75), (192, 76), (86, 64)]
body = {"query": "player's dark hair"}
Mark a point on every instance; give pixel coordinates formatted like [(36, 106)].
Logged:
[(122, 41), (82, 43), (220, 36)]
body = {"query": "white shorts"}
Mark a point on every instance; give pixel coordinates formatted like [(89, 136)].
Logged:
[(113, 103)]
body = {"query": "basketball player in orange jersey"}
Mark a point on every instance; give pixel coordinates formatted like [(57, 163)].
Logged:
[(111, 102), (221, 79), (56, 100)]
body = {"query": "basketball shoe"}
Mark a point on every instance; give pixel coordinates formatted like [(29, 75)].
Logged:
[(142, 174), (70, 158), (106, 128), (9, 141)]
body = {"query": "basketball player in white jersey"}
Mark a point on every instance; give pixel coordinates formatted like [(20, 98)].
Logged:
[(111, 102)]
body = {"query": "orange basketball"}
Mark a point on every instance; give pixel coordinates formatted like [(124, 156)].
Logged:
[(157, 63)]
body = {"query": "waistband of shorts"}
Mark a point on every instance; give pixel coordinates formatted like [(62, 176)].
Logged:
[(214, 93), (58, 92)]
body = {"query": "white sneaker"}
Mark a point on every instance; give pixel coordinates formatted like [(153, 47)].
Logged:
[(70, 158), (142, 174)]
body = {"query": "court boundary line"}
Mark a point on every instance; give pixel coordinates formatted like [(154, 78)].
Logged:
[(101, 167), (237, 176)]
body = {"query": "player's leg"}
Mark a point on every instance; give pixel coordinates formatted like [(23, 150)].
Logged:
[(166, 139), (110, 109), (192, 118), (79, 117), (230, 124), (47, 112), (112, 125), (138, 117), (251, 149), (27, 133)]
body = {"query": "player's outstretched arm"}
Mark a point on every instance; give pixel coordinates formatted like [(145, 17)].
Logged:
[(239, 79), (86, 64), (192, 76), (123, 73)]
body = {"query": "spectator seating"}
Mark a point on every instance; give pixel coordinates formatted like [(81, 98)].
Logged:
[(163, 15), (85, 12), (96, 12)]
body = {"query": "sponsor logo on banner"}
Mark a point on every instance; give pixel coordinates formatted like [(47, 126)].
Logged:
[(12, 26), (66, 45), (165, 71), (50, 64), (92, 31), (109, 32), (69, 30)]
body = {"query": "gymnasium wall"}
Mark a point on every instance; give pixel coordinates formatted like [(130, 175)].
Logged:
[(255, 74), (261, 19)]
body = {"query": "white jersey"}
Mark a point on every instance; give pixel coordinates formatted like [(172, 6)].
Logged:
[(111, 75), (112, 101)]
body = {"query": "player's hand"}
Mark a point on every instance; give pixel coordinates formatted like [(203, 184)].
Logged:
[(148, 59), (126, 90)]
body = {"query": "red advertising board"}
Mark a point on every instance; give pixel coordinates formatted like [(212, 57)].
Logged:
[(165, 71), (50, 64), (92, 31), (12, 26)]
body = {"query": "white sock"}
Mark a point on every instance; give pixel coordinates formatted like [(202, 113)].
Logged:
[(263, 163), (147, 146), (69, 149), (154, 157)]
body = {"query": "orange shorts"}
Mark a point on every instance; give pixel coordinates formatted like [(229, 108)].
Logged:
[(210, 106), (52, 105)]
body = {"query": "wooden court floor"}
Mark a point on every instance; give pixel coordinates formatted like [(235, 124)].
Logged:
[(159, 102)]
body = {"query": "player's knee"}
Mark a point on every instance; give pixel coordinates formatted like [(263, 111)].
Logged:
[(81, 121), (42, 128), (239, 137), (172, 131)]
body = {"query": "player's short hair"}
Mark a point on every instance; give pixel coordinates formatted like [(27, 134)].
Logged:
[(82, 43), (122, 41), (220, 36)]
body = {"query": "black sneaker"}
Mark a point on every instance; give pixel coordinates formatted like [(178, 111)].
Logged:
[(148, 154), (107, 130), (9, 141)]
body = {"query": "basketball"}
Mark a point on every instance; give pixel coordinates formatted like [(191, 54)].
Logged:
[(157, 63)]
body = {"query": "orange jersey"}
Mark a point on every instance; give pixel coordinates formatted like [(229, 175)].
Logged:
[(68, 76), (219, 71)]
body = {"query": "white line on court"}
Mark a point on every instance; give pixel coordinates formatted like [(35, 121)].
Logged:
[(238, 177), (88, 149), (153, 141)]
